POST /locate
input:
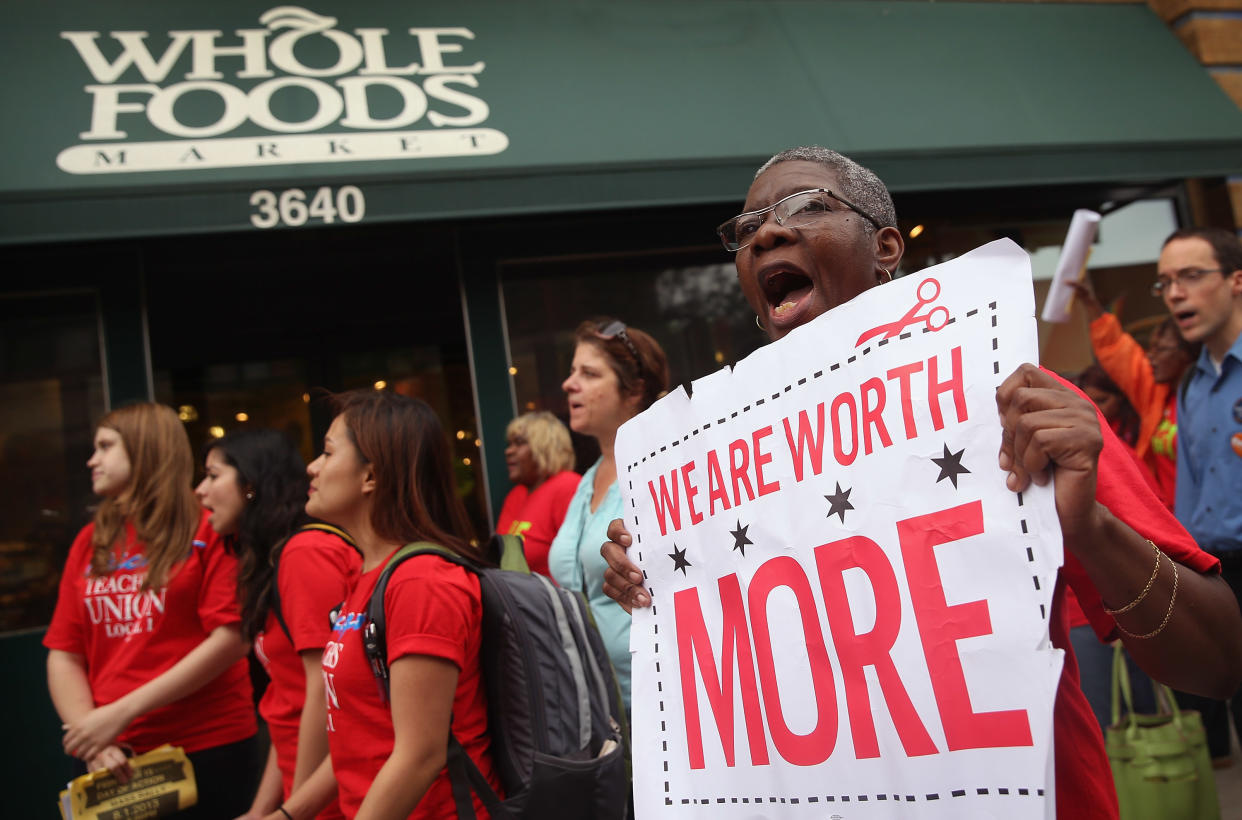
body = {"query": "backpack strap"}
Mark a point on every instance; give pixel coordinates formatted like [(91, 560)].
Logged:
[(374, 630), (276, 551), (508, 552), (465, 777), (337, 531)]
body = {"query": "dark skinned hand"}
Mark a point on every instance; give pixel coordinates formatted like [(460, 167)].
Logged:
[(623, 581), (1048, 429)]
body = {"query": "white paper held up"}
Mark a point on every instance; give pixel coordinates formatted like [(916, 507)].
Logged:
[(1071, 266)]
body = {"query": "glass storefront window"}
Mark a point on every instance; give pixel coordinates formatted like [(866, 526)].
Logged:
[(284, 320), (689, 302), (51, 396)]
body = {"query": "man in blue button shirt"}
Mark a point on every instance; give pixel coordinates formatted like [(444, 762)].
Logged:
[(1199, 276)]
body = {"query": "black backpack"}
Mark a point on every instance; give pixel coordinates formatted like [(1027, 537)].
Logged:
[(555, 715), (275, 590)]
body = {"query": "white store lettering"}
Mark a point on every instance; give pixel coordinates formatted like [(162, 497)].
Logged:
[(361, 54), (352, 85), (125, 607)]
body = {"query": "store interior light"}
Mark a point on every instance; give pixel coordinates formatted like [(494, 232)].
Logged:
[(216, 431), (461, 435), (466, 461), (512, 371), (186, 412), (306, 398), (916, 231), (243, 416), (380, 384)]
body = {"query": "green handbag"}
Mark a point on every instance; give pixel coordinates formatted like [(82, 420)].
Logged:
[(1160, 762)]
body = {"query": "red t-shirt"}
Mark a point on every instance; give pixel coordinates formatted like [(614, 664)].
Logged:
[(129, 637), (315, 573), (1084, 782), (538, 516), (432, 608)]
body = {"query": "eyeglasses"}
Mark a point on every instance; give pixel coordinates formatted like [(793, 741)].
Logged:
[(616, 330), (794, 211), (1186, 277), (1163, 350)]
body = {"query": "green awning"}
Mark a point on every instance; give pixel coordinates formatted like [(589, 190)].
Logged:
[(131, 118)]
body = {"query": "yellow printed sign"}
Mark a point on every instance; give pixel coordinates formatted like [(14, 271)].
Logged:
[(163, 783)]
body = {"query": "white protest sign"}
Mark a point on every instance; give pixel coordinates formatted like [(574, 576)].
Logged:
[(850, 609)]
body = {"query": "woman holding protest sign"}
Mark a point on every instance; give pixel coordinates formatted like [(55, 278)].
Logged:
[(290, 576), (617, 372), (145, 646), (818, 230), (385, 476)]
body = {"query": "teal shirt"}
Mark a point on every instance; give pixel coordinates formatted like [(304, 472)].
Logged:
[(576, 564)]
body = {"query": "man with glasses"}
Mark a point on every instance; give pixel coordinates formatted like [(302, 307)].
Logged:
[(1200, 279)]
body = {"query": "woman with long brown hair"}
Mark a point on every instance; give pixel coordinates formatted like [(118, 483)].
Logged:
[(385, 476), (145, 646)]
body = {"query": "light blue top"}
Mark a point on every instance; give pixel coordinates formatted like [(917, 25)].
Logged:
[(1209, 470), (576, 564)]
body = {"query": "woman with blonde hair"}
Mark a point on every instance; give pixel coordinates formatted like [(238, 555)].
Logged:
[(540, 459), (145, 645)]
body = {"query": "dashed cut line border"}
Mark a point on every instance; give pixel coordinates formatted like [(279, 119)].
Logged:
[(764, 399), (896, 797)]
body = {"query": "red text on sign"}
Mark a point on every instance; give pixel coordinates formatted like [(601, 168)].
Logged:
[(746, 649)]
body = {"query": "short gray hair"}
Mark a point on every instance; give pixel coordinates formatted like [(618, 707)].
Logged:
[(858, 184)]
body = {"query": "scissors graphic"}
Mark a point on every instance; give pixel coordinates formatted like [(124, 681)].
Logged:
[(934, 319)]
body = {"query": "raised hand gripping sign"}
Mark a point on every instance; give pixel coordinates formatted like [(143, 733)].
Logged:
[(849, 609)]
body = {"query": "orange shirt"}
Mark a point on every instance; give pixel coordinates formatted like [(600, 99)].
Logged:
[(1126, 363)]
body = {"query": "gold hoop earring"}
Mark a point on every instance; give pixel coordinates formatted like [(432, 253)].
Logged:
[(759, 324), (888, 276)]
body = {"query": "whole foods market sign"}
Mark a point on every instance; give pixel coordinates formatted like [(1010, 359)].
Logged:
[(298, 90)]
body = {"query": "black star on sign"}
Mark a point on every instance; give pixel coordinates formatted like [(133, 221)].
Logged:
[(950, 466), (839, 502), (679, 560), (739, 538)]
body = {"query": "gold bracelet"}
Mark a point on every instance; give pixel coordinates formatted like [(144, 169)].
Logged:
[(1146, 589), (1167, 614)]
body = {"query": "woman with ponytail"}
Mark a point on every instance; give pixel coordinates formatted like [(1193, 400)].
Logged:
[(145, 645), (290, 575)]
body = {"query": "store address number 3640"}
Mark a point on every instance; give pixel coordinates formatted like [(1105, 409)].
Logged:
[(293, 207)]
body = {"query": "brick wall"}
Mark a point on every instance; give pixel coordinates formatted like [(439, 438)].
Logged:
[(1212, 30)]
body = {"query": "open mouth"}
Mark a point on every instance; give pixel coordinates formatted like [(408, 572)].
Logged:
[(784, 289)]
